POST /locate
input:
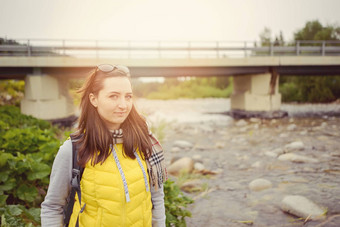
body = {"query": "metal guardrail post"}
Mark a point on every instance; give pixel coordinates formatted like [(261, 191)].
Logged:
[(159, 50), (28, 48), (217, 50), (245, 48), (189, 49), (129, 49), (63, 43), (297, 48), (271, 49), (323, 50)]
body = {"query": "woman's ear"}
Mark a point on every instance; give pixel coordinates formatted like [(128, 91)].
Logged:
[(93, 100)]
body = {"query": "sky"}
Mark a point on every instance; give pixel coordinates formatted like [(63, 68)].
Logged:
[(165, 20)]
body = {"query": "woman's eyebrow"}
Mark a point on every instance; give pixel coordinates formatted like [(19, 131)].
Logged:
[(116, 92)]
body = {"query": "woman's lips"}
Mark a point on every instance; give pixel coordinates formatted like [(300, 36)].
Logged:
[(120, 113)]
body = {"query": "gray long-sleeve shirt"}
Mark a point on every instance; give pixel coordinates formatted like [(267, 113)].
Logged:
[(59, 188)]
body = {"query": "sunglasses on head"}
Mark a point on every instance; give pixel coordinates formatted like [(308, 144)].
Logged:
[(106, 68)]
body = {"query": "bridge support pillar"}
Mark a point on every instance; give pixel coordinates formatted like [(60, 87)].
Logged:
[(256, 96), (47, 97)]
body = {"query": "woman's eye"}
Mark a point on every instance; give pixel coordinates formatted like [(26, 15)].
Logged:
[(114, 96), (129, 97)]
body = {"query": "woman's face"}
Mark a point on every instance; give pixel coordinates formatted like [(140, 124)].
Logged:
[(113, 101)]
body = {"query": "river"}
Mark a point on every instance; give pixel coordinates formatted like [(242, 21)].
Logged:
[(241, 151)]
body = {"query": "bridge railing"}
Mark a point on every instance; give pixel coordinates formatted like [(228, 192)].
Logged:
[(165, 49)]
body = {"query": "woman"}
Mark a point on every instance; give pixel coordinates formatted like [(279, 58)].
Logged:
[(122, 183)]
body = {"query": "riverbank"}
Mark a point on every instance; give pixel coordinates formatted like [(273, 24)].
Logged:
[(245, 150)]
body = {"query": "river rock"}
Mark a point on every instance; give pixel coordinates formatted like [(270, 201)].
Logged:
[(284, 135), (241, 123), (199, 166), (183, 144), (175, 149), (220, 145), (256, 164), (294, 146), (240, 140), (174, 159), (271, 154), (244, 129), (303, 133), (260, 184), (206, 129), (197, 158), (192, 186), (296, 158), (301, 207), (254, 120), (278, 151), (184, 164), (291, 127)]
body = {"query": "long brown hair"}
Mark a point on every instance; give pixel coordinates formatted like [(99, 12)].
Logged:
[(94, 136)]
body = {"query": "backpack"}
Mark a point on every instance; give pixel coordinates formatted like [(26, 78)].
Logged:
[(77, 173)]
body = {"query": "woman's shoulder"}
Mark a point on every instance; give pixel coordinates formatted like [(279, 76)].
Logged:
[(65, 150), (67, 144)]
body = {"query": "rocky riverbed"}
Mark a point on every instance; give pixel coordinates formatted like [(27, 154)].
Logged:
[(255, 163)]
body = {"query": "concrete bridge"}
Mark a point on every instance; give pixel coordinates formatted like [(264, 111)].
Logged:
[(46, 68)]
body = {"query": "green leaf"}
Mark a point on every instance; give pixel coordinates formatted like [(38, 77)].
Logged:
[(3, 221), (14, 210), (10, 135), (23, 165), (4, 157), (8, 185), (33, 214), (3, 199), (49, 149), (37, 157), (4, 175), (39, 171), (11, 216), (27, 193)]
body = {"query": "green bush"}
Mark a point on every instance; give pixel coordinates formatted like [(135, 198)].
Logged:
[(290, 92), (175, 203), (13, 215), (27, 150), (192, 88), (313, 89), (11, 92)]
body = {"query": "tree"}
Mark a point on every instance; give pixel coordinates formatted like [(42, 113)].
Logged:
[(281, 39), (314, 30), (312, 88), (4, 41), (265, 37)]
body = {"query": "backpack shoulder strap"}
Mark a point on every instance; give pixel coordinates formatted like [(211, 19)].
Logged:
[(77, 172)]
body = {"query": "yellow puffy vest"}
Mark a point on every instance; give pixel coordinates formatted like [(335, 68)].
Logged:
[(102, 190)]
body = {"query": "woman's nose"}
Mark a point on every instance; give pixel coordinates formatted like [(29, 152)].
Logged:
[(122, 103)]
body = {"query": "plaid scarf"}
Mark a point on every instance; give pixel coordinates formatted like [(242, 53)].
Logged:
[(156, 165), (155, 162)]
